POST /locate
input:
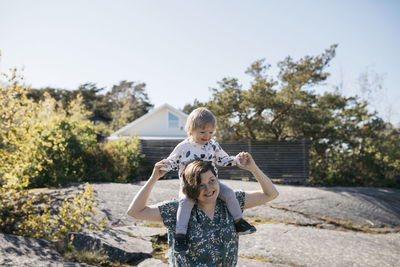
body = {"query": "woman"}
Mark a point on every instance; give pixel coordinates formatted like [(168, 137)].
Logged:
[(212, 238)]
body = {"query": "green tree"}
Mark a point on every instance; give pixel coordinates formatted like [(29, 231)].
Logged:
[(337, 128), (96, 103), (130, 101), (125, 102), (190, 107)]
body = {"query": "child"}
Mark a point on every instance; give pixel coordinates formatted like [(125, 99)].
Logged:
[(200, 127)]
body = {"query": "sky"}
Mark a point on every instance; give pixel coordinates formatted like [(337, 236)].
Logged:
[(181, 49)]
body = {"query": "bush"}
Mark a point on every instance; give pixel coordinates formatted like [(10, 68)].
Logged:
[(42, 145), (125, 158), (30, 215), (77, 157), (61, 154), (373, 159)]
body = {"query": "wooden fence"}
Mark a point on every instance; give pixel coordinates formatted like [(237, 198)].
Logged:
[(283, 162)]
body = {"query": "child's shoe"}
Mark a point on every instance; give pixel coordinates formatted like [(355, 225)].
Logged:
[(244, 228), (181, 246)]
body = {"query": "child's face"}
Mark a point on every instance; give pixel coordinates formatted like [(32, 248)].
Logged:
[(203, 135)]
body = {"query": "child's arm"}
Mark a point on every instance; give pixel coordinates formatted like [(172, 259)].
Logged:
[(174, 159), (222, 158)]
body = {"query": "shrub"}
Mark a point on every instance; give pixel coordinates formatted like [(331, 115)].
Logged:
[(30, 215), (61, 155), (42, 145), (125, 158)]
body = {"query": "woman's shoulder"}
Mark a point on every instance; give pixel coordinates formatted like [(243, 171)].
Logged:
[(240, 196), (168, 210), (169, 205)]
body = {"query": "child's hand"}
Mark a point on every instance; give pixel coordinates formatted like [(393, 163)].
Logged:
[(161, 168), (241, 160), (237, 160), (246, 160)]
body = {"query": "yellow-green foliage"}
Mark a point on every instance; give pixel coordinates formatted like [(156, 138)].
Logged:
[(35, 137), (32, 216), (16, 131), (42, 145), (125, 157), (73, 216)]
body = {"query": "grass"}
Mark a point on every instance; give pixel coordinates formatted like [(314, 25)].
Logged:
[(256, 220), (160, 247), (95, 258), (155, 225), (264, 259), (98, 258)]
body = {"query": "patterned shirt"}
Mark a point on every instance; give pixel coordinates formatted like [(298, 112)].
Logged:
[(187, 151), (211, 242)]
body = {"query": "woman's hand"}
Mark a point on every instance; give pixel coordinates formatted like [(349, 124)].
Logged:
[(246, 161), (139, 208), (268, 191), (157, 170)]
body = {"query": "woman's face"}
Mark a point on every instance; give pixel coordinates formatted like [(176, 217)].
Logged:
[(209, 188)]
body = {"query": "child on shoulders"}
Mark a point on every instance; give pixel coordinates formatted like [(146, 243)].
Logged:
[(200, 127)]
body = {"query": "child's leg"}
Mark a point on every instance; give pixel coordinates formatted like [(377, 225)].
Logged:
[(183, 215), (232, 203)]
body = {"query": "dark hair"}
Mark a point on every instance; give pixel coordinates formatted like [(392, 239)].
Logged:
[(192, 179)]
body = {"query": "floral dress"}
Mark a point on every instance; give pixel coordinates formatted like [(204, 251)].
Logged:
[(211, 242)]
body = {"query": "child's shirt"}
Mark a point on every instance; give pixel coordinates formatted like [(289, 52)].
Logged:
[(187, 151)]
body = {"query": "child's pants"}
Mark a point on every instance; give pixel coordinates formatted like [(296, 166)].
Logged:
[(186, 205)]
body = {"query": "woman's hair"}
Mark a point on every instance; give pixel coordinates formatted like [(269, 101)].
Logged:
[(199, 118), (192, 179)]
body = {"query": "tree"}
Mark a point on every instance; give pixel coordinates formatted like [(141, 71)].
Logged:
[(125, 102), (188, 108), (130, 101), (94, 102), (286, 108)]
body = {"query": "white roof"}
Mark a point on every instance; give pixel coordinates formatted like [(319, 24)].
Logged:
[(115, 135)]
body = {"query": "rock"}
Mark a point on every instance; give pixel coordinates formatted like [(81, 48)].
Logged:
[(372, 207), (123, 244), (307, 246), (269, 212), (23, 251), (244, 262), (152, 263), (272, 245)]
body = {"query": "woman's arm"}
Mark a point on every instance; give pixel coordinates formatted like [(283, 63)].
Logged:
[(138, 208), (268, 191)]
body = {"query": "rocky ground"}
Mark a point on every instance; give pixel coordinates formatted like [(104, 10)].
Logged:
[(304, 226)]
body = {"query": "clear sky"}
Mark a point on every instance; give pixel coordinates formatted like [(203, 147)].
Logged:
[(180, 49)]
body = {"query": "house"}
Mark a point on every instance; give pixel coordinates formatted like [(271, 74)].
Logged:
[(164, 122)]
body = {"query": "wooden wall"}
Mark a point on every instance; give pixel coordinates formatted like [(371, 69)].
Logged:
[(284, 162)]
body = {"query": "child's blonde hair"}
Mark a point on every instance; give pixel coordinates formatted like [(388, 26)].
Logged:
[(199, 118)]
